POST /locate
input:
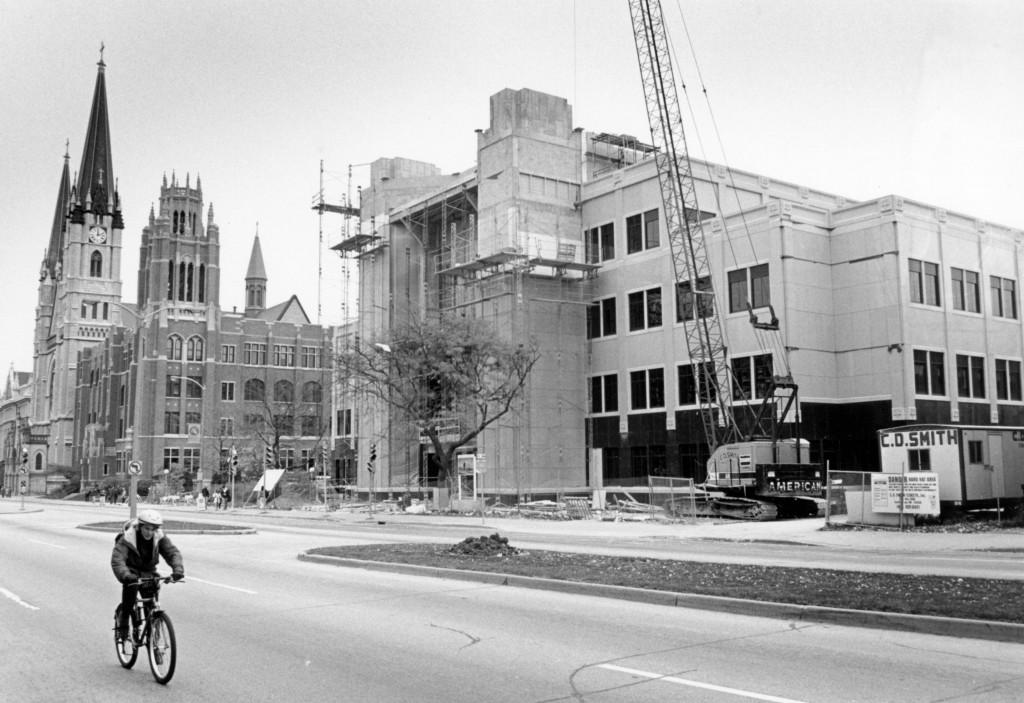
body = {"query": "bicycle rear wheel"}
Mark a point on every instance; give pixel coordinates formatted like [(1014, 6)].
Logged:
[(162, 647), (127, 652)]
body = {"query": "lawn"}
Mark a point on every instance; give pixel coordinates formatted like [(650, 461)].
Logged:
[(982, 599)]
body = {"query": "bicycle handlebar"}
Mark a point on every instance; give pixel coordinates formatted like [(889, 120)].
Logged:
[(153, 579)]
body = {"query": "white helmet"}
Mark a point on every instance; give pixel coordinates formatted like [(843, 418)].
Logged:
[(150, 517)]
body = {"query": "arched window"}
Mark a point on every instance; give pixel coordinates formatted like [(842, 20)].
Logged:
[(170, 280), (181, 281), (174, 343), (311, 392), (96, 264), (284, 392), (189, 294), (255, 389), (195, 348), (174, 226)]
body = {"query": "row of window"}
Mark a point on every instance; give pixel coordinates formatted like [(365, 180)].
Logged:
[(310, 425), (253, 353), (254, 389), (930, 376), (965, 289), (642, 233), (751, 380), (644, 307)]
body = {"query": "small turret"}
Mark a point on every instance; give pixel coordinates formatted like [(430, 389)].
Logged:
[(255, 281)]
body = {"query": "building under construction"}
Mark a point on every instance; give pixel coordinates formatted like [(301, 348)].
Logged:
[(558, 235)]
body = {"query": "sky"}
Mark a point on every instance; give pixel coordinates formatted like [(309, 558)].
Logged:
[(862, 98)]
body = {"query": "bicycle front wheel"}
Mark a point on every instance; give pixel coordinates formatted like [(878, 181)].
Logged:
[(162, 648), (127, 652)]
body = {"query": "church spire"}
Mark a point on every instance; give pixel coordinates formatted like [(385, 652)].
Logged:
[(55, 250), (255, 280), (95, 188)]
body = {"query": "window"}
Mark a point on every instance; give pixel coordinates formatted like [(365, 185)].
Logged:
[(604, 393), (172, 422), (226, 427), (749, 285), (688, 385), (752, 377), (647, 389), (929, 372), (194, 387), (191, 459), (174, 347), (642, 231), (255, 389), (1008, 385), (284, 423), (227, 390), (601, 318), (284, 392), (253, 421), (920, 459), (227, 353), (645, 309), (195, 348), (1004, 297), (924, 282), (254, 354), (975, 452), (311, 392), (310, 425), (966, 290), (970, 376), (311, 357), (284, 355), (345, 422), (172, 457), (286, 457), (193, 418), (96, 265), (600, 244), (173, 387), (685, 299)]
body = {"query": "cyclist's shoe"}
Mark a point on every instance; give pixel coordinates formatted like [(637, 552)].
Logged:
[(121, 633)]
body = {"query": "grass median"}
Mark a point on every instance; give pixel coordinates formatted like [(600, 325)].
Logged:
[(945, 596)]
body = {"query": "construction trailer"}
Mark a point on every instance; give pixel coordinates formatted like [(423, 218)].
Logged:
[(977, 467)]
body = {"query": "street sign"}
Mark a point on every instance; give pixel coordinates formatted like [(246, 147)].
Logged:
[(134, 468)]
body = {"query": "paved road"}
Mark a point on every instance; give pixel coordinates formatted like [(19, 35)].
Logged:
[(256, 624)]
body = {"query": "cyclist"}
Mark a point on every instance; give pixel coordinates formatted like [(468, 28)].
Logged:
[(137, 552)]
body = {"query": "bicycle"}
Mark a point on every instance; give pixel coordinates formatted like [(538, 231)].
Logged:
[(150, 628)]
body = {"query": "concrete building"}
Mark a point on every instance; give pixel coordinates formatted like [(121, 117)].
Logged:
[(890, 311)]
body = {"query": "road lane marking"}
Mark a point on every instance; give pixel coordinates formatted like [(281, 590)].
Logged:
[(700, 684), (17, 600), (223, 585), (46, 544)]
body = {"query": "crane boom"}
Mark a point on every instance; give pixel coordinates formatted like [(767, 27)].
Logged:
[(702, 325)]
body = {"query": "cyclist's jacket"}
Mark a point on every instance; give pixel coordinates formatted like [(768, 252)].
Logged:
[(131, 558)]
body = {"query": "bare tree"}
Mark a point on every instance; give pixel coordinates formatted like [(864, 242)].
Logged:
[(450, 377)]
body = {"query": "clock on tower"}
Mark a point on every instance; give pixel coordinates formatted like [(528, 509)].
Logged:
[(97, 235)]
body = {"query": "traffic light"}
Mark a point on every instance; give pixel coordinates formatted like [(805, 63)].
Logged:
[(234, 461), (268, 456), (24, 455), (373, 458), (323, 456)]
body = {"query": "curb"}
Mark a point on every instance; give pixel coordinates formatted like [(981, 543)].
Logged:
[(922, 624), (233, 531)]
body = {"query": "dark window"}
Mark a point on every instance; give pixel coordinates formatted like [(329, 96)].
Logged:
[(645, 309), (284, 392), (929, 373), (738, 291), (924, 282), (255, 389), (975, 452), (601, 318), (172, 423), (1004, 297), (96, 264), (685, 303), (970, 376), (965, 289), (1008, 380), (642, 232), (920, 459)]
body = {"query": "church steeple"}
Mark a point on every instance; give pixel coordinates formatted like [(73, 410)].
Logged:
[(255, 281), (54, 252), (96, 190)]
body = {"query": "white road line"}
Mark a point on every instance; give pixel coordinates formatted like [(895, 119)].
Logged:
[(699, 684), (222, 585), (46, 544), (17, 600)]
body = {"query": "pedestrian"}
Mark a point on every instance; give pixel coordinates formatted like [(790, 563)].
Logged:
[(263, 498), (225, 497), (216, 500), (204, 497)]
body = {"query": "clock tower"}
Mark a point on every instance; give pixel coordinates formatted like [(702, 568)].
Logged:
[(79, 287)]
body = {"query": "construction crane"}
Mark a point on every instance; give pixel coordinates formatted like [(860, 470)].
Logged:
[(748, 476)]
